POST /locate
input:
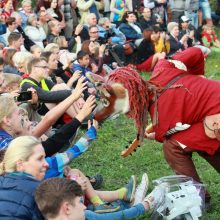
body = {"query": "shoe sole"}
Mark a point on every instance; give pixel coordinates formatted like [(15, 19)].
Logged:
[(133, 189), (144, 176), (107, 210)]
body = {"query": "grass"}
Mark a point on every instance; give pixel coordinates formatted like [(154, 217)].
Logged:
[(104, 155)]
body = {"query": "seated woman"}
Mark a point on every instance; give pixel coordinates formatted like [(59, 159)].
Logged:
[(9, 66), (35, 31), (177, 44), (96, 56), (145, 57), (62, 70), (24, 166)]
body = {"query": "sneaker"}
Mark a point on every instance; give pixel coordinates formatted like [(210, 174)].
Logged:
[(155, 198), (141, 189), (106, 208), (129, 196)]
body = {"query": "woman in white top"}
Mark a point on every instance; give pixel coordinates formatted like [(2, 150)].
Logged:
[(34, 31)]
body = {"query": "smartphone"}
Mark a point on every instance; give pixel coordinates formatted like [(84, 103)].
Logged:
[(24, 96)]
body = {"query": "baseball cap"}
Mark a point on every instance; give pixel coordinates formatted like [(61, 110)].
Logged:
[(184, 19)]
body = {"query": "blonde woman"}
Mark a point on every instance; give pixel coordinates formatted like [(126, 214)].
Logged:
[(21, 170), (35, 31)]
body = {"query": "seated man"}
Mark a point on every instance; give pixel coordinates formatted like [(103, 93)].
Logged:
[(38, 74)]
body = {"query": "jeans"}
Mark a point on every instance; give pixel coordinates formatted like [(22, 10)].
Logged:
[(206, 10), (193, 16), (126, 212)]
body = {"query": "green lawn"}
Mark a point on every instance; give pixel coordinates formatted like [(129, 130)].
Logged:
[(104, 155)]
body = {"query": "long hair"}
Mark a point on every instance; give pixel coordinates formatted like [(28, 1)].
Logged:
[(20, 148)]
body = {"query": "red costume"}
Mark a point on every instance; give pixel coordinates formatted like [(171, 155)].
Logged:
[(189, 100)]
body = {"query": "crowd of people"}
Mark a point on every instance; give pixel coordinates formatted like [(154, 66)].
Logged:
[(49, 50)]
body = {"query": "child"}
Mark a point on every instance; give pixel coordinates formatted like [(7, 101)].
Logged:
[(209, 38), (83, 63)]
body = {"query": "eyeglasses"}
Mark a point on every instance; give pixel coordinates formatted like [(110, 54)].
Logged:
[(94, 32), (43, 67)]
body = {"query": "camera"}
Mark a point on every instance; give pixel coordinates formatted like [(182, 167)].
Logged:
[(24, 96), (104, 39)]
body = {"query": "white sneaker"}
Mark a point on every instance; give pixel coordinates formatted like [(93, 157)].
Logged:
[(141, 190)]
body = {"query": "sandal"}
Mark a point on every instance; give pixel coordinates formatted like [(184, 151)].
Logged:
[(96, 181)]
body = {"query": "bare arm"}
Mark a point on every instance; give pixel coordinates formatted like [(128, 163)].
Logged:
[(51, 117)]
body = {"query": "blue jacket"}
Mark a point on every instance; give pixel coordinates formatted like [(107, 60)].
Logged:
[(77, 66), (5, 139), (117, 36), (2, 29), (17, 197), (129, 32)]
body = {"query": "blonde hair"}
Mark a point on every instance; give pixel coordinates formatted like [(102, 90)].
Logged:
[(207, 27), (21, 59), (21, 148), (50, 47), (6, 105), (25, 2), (59, 40), (31, 18), (12, 78)]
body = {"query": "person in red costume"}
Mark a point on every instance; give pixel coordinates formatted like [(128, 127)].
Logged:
[(184, 107), (189, 101)]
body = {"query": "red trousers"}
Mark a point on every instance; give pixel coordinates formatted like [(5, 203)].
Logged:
[(180, 160)]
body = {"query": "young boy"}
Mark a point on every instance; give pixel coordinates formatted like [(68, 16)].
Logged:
[(83, 62), (59, 198)]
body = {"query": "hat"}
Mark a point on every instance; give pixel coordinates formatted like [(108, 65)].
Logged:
[(184, 19)]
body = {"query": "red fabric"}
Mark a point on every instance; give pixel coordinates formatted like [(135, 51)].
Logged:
[(208, 36), (66, 118), (146, 65), (198, 97)]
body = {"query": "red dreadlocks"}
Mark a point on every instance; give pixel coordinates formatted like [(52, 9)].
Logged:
[(138, 95)]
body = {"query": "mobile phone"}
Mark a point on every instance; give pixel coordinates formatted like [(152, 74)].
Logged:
[(24, 96)]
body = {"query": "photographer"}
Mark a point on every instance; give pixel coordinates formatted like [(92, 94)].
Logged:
[(108, 33)]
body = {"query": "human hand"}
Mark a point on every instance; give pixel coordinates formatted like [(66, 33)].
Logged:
[(101, 50), (94, 67), (76, 75), (82, 181), (94, 123), (87, 108), (191, 34), (80, 87), (78, 40), (34, 99), (78, 29)]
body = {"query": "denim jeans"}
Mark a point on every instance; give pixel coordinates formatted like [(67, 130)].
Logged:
[(193, 16), (126, 212), (206, 10)]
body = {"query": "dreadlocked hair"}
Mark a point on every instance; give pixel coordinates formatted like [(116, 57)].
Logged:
[(138, 95)]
